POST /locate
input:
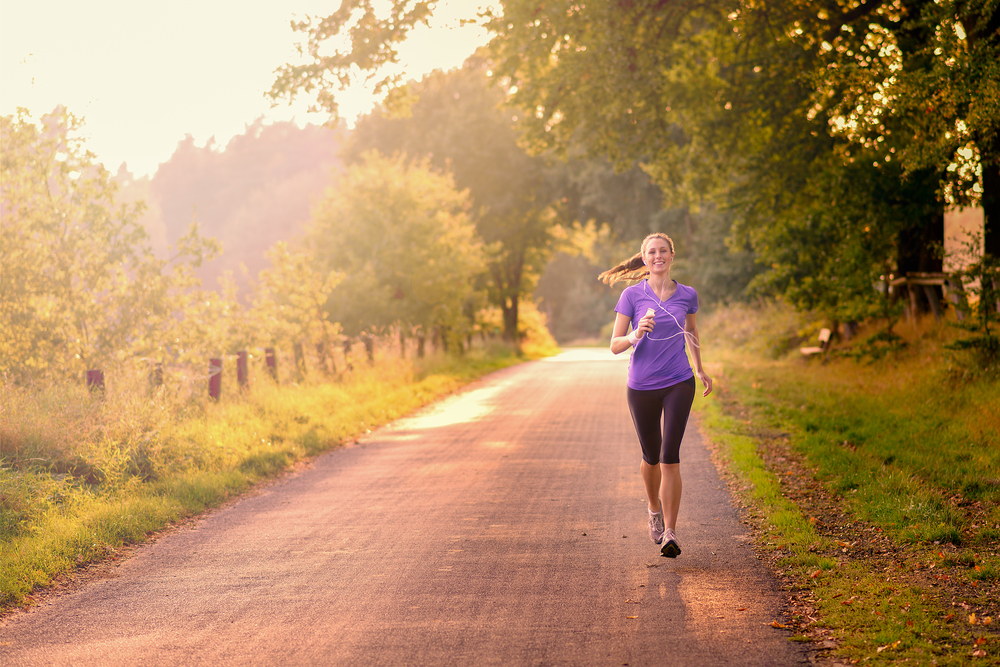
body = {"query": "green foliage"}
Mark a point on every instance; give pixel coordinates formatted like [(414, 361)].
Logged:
[(719, 103), (289, 302), (79, 285), (400, 236), (535, 340), (833, 134), (884, 343), (908, 461), (458, 124)]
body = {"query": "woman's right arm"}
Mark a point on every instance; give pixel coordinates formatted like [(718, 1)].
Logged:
[(619, 337)]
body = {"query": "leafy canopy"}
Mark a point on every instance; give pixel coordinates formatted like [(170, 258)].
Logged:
[(400, 237)]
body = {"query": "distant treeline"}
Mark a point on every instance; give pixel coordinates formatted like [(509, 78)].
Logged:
[(249, 194)]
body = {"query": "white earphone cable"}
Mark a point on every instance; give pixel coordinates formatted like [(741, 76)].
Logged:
[(691, 338)]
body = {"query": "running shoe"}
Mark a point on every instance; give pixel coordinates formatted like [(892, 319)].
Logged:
[(656, 526), (671, 548)]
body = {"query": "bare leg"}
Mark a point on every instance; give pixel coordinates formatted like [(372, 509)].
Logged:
[(670, 492), (651, 480)]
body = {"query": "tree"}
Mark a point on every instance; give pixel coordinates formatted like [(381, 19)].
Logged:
[(290, 298), (456, 122), (79, 285), (720, 104), (400, 235)]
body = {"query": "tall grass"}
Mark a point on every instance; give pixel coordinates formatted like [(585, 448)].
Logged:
[(906, 445), (83, 473), (902, 439)]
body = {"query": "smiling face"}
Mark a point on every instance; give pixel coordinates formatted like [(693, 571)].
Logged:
[(657, 253)]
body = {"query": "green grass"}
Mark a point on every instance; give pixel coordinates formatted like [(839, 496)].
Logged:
[(83, 475), (875, 487)]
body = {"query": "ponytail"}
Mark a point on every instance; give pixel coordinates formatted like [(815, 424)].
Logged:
[(633, 268)]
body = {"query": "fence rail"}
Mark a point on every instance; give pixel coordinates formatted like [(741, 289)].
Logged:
[(325, 362)]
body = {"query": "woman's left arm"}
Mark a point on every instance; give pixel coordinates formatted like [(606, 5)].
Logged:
[(694, 344)]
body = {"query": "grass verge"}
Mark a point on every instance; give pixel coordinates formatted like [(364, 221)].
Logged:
[(874, 488), (82, 475)]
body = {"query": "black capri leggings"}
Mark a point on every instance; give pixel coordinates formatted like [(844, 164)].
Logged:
[(646, 405)]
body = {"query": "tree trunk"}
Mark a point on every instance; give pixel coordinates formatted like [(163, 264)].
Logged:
[(509, 308), (300, 360), (915, 253), (991, 208)]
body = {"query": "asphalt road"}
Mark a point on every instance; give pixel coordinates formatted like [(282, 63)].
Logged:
[(504, 526)]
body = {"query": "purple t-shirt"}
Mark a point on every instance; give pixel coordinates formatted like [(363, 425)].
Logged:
[(659, 359)]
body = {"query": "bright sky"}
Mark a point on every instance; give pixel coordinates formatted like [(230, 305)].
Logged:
[(145, 74)]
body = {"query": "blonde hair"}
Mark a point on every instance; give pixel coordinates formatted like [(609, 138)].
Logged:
[(633, 268)]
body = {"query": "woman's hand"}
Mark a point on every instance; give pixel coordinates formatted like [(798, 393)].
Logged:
[(646, 323), (705, 381)]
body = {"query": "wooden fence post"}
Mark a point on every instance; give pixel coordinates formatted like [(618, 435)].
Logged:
[(95, 380), (156, 375), (215, 378), (272, 362), (300, 359), (346, 346), (242, 376)]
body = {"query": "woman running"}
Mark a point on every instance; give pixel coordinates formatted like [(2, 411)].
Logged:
[(660, 381)]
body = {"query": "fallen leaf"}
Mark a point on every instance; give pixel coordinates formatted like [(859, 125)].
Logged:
[(972, 619), (987, 620), (631, 601), (742, 609), (892, 646), (631, 617), (979, 653), (949, 617), (850, 600), (980, 641), (844, 544), (816, 574), (780, 626)]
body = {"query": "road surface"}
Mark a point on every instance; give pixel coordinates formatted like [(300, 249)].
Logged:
[(503, 526)]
